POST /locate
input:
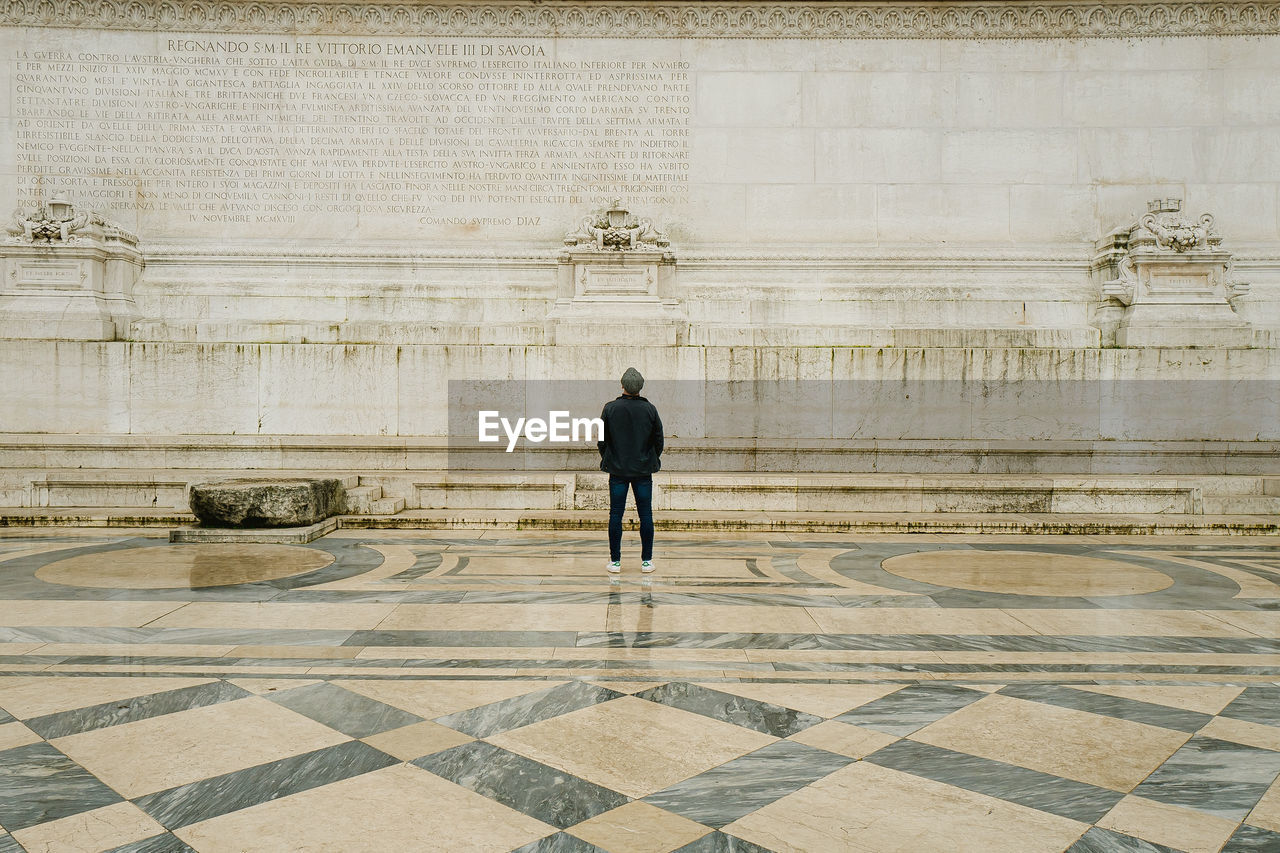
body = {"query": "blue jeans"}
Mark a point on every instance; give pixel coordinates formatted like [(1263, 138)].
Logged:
[(642, 487)]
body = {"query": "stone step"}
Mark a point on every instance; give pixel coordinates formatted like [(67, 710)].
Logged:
[(1242, 504), (819, 493), (157, 489), (674, 522), (833, 522), (36, 453), (368, 500)]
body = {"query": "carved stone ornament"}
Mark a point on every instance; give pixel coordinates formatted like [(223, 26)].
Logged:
[(616, 230), (1164, 230), (1166, 281), (906, 20), (1165, 224), (57, 221)]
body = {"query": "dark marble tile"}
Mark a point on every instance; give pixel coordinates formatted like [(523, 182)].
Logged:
[(349, 713), (535, 596), (753, 781), (1257, 704), (208, 798), (129, 710), (166, 843), (39, 784), (761, 599), (9, 845), (963, 598), (1105, 841), (912, 601), (552, 796), (530, 708), (1111, 706), (1253, 839), (5, 716), (911, 708), (1042, 791), (749, 713), (425, 564), (561, 842), (549, 639), (1215, 776), (719, 842), (408, 596), (656, 640)]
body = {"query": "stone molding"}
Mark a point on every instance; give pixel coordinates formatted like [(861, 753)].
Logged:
[(956, 20)]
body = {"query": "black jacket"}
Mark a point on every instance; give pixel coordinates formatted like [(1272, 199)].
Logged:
[(632, 437)]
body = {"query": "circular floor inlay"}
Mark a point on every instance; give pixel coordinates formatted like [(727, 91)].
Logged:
[(1027, 573), (185, 566)]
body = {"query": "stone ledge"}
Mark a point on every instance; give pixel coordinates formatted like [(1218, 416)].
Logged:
[(272, 536)]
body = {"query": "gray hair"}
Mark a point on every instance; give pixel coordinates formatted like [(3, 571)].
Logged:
[(632, 381)]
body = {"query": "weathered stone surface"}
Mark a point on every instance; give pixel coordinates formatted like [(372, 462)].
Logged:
[(266, 502)]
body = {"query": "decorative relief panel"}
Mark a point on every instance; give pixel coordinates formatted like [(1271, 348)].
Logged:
[(663, 20)]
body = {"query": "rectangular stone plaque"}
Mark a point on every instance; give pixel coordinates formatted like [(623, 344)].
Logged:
[(1179, 283), (637, 281), (47, 274)]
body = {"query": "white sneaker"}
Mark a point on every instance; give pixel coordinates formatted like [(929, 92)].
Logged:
[(615, 566), (646, 566)]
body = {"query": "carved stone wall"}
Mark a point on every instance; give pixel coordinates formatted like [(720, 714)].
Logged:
[(667, 20)]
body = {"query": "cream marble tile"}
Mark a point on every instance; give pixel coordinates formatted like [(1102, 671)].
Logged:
[(34, 696), (1266, 813), (853, 741), (1027, 572), (91, 832), (438, 698), (712, 619), (864, 808), (1263, 623), (84, 614), (1242, 731), (666, 655), (398, 808), (639, 827), (1128, 623), (162, 752), (985, 688), (334, 652), (919, 620), (263, 686), (417, 740), (496, 617), (1081, 658), (842, 656), (671, 565), (20, 648), (1173, 826), (825, 700), (1090, 748), (627, 686), (632, 746), (191, 566), (16, 734), (452, 652), (234, 614)]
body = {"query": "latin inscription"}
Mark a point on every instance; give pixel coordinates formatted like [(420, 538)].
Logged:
[(253, 133)]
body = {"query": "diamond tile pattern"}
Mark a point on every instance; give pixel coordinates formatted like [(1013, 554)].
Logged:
[(817, 741)]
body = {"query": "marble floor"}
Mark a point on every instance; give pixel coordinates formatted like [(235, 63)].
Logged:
[(463, 691)]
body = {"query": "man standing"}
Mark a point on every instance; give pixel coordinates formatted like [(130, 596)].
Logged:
[(630, 453)]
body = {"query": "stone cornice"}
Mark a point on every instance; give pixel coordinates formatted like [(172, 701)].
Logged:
[(959, 20)]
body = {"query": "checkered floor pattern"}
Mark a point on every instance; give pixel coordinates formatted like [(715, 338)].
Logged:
[(145, 765)]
